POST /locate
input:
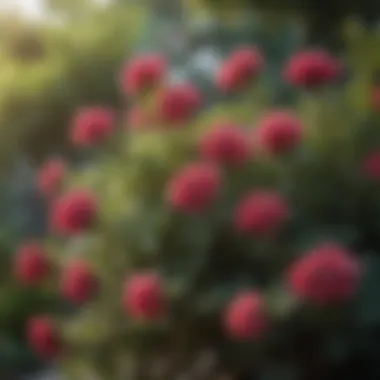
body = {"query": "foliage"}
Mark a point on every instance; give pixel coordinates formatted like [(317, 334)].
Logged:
[(47, 71), (17, 304), (72, 64), (203, 258), (323, 22)]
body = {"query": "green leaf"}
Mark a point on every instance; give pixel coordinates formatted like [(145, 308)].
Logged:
[(14, 355), (368, 305), (280, 303), (218, 295), (142, 228), (310, 235), (185, 248), (88, 328)]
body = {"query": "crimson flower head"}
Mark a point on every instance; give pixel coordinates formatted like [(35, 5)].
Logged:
[(31, 263), (194, 188), (226, 144), (245, 316), (50, 177), (143, 296), (239, 69), (78, 282), (142, 73), (261, 213), (326, 274), (43, 337), (371, 165), (92, 126), (312, 68), (278, 132), (73, 212), (178, 103)]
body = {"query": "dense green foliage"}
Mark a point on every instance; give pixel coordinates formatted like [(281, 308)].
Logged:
[(70, 65), (323, 20)]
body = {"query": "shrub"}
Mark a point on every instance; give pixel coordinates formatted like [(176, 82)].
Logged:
[(236, 229)]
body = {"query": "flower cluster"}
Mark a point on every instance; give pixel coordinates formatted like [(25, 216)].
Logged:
[(325, 274)]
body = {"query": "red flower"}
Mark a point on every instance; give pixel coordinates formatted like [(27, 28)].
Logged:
[(138, 119), (142, 73), (78, 282), (244, 65), (92, 126), (312, 68), (245, 317), (74, 212), (261, 213), (371, 166), (326, 274), (143, 296), (226, 144), (31, 265), (375, 98), (43, 337), (278, 132), (178, 103), (50, 177), (194, 188)]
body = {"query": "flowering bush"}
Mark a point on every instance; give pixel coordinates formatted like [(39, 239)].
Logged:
[(217, 229)]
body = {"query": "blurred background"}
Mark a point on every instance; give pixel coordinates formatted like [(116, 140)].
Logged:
[(57, 55)]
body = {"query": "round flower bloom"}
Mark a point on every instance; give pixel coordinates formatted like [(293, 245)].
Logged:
[(92, 126), (238, 71), (78, 282), (261, 213), (178, 103), (74, 212), (312, 68), (194, 188), (143, 296), (50, 177), (371, 166), (245, 316), (278, 132), (142, 73), (43, 337), (226, 144), (31, 264), (326, 274)]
